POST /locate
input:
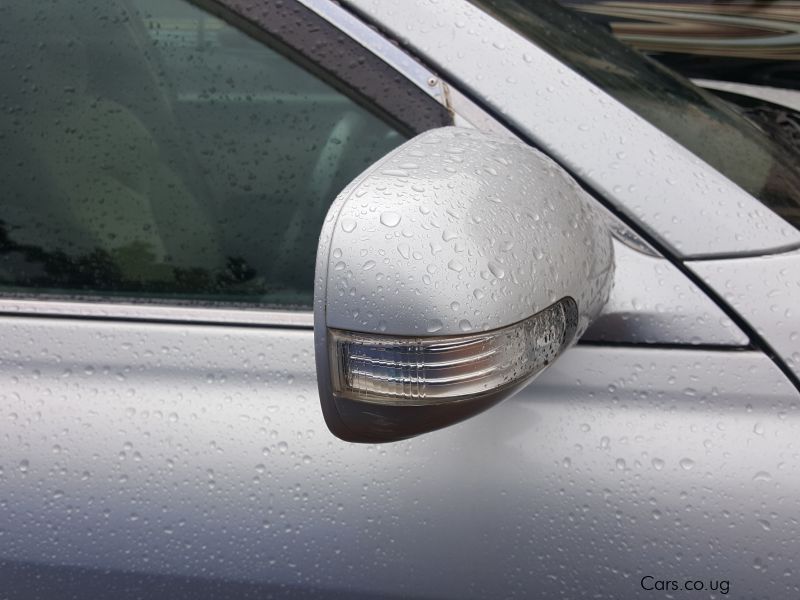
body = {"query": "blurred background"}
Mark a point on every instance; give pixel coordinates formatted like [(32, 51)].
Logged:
[(746, 51)]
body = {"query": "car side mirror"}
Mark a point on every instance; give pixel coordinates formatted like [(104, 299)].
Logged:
[(449, 274)]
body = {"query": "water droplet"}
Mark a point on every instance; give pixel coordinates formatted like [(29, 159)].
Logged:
[(434, 325), (348, 225), (390, 219), (762, 476), (496, 270), (686, 463), (456, 266)]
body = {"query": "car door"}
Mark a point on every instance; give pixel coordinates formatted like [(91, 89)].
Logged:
[(166, 170)]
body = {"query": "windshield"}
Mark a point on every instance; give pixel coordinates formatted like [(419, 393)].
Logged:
[(704, 124)]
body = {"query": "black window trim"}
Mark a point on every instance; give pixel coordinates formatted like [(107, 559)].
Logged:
[(331, 54)]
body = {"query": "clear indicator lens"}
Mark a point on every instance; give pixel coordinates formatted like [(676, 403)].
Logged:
[(435, 370)]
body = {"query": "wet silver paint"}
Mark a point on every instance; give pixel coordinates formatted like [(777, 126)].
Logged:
[(457, 231), (641, 171), (765, 291), (200, 451), (652, 302)]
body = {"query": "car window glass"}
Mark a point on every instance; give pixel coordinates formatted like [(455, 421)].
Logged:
[(151, 150)]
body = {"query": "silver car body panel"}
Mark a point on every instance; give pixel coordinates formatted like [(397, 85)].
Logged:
[(679, 199), (457, 231), (674, 311), (196, 450), (187, 442), (652, 302), (765, 291)]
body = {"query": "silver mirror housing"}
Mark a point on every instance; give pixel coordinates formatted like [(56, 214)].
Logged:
[(449, 274)]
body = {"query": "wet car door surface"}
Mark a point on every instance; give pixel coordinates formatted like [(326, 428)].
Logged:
[(191, 460), (163, 459)]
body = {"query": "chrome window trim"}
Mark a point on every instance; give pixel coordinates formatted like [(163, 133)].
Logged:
[(780, 96), (128, 311), (380, 46), (464, 111)]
